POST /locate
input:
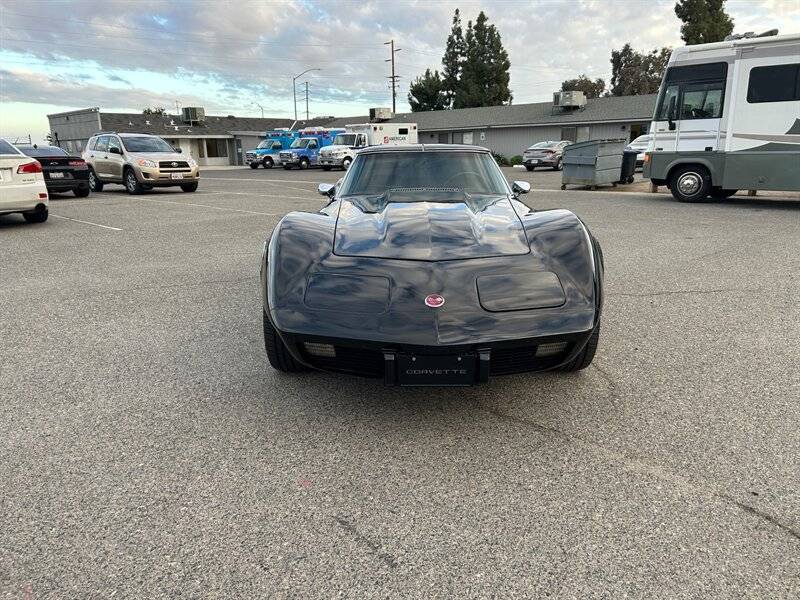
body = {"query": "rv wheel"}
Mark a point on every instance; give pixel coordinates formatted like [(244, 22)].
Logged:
[(346, 163)]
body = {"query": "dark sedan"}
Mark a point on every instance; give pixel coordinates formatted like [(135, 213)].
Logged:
[(62, 172)]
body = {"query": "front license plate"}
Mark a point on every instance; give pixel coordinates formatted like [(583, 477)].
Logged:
[(177, 175), (534, 161), (430, 370), (57, 175)]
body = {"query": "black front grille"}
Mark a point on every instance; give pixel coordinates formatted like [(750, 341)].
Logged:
[(173, 164), (356, 361), (521, 359)]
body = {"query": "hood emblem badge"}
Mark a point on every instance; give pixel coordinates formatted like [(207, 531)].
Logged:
[(434, 300), (174, 164)]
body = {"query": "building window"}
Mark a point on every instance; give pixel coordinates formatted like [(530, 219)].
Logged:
[(569, 134), (458, 137), (217, 148), (444, 138), (778, 83), (468, 138)]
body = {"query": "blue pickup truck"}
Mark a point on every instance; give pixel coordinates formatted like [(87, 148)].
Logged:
[(267, 153), (304, 151)]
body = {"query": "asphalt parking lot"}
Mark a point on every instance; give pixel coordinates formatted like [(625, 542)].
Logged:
[(148, 450)]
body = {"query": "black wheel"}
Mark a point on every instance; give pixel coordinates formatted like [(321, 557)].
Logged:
[(254, 165), (189, 187), (81, 192), (563, 187), (131, 183), (558, 166), (304, 163), (690, 183), (267, 162), (277, 353), (326, 168), (529, 167), (720, 194), (585, 356), (94, 182), (36, 216), (346, 163)]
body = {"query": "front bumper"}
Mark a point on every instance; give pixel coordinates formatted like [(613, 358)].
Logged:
[(158, 177), (331, 161)]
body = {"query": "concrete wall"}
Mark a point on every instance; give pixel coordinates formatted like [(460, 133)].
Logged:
[(74, 129), (511, 141)]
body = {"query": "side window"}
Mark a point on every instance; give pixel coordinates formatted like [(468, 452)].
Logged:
[(312, 144), (702, 100), (778, 83), (402, 131), (276, 145), (362, 140), (102, 144), (113, 142), (663, 108)]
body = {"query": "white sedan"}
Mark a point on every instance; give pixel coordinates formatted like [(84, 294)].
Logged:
[(22, 188)]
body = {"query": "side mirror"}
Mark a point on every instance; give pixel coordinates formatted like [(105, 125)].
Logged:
[(114, 150), (671, 113), (326, 189), (521, 187)]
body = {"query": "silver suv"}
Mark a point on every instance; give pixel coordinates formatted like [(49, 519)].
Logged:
[(139, 162)]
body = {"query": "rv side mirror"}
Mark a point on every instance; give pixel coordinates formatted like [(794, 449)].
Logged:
[(521, 187), (671, 113), (326, 189)]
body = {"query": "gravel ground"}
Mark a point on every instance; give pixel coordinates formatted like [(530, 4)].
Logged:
[(148, 450)]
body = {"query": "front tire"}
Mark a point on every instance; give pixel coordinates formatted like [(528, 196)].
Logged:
[(529, 168), (277, 353), (81, 192), (132, 184), (304, 164), (189, 187), (94, 182), (559, 165), (36, 216), (253, 165), (267, 163), (690, 183), (346, 163), (585, 356)]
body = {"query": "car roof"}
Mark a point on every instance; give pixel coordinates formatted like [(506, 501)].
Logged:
[(423, 148)]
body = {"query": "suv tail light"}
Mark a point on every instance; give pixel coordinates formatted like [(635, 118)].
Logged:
[(78, 164), (31, 167)]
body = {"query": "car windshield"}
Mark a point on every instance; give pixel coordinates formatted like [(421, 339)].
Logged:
[(472, 172), (146, 144), (541, 145), (345, 139), (43, 151), (301, 143), (6, 148), (265, 144)]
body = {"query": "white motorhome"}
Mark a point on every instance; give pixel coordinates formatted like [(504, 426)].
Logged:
[(728, 118), (341, 153)]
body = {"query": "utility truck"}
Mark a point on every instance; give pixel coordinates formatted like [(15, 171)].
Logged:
[(343, 150), (304, 151), (267, 153), (728, 118)]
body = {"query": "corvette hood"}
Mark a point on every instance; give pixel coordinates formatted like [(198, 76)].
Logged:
[(447, 226)]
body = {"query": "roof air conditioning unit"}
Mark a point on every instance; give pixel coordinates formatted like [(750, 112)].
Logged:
[(570, 99), (193, 114), (380, 114)]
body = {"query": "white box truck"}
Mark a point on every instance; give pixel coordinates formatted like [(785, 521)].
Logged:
[(728, 118), (343, 150)]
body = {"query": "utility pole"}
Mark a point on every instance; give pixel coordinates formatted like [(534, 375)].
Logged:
[(294, 88), (306, 101), (393, 78)]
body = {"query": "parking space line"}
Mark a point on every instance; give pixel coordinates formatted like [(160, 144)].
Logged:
[(86, 222), (261, 180), (254, 194), (240, 210)]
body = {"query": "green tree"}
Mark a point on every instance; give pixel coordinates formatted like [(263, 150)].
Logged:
[(592, 89), (427, 92), (158, 110), (453, 60), (484, 75), (704, 21), (634, 73)]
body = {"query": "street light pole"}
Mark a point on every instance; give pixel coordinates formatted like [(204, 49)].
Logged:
[(294, 88), (261, 107)]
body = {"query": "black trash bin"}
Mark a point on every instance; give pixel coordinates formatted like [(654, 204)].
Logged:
[(628, 166)]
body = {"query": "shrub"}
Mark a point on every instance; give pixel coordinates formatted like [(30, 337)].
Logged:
[(516, 160), (501, 160)]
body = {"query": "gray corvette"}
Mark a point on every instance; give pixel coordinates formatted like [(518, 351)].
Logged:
[(425, 268)]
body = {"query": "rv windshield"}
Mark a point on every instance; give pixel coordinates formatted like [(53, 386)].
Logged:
[(301, 142), (471, 172), (345, 139)]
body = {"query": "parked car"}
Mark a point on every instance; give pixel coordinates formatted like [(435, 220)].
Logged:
[(639, 145), (545, 154), (22, 188), (138, 161), (62, 172), (425, 268)]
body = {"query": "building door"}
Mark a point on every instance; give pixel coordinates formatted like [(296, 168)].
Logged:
[(239, 153), (444, 138)]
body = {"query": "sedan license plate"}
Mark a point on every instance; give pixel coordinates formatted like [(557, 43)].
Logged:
[(177, 175), (56, 175), (433, 370), (534, 161)]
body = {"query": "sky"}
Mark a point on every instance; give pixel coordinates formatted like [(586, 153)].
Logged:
[(231, 57)]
